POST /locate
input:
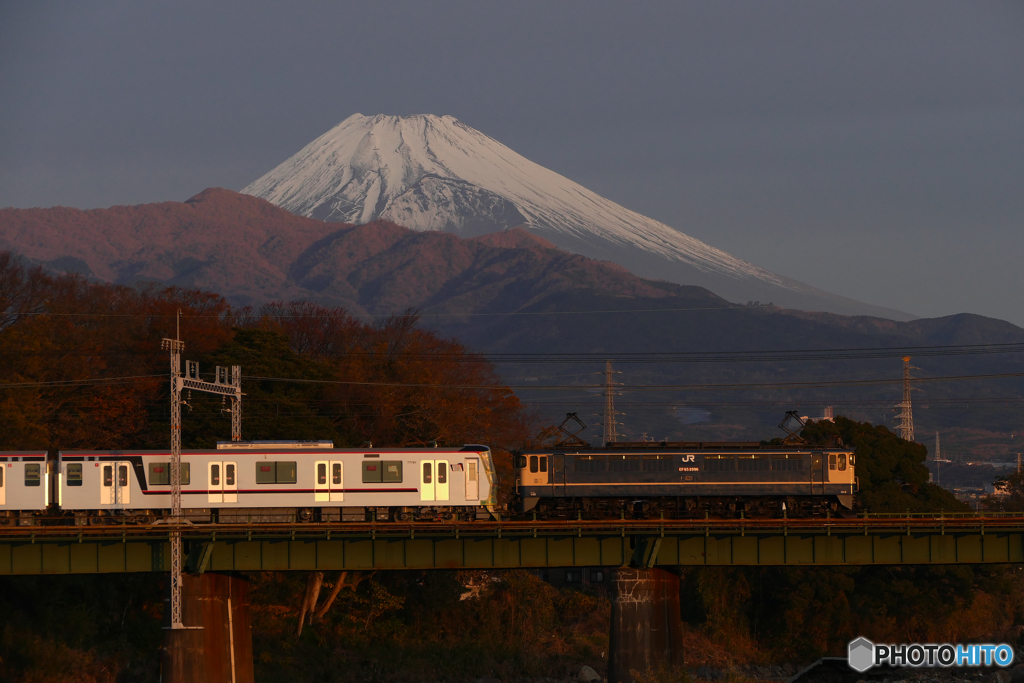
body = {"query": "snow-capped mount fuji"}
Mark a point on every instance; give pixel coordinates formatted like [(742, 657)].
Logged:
[(430, 172)]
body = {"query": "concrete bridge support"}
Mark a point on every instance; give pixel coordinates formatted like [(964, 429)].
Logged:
[(220, 651), (646, 632)]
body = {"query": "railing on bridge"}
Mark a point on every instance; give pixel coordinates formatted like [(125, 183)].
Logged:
[(897, 538)]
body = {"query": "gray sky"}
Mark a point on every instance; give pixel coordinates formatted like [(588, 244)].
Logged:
[(872, 149)]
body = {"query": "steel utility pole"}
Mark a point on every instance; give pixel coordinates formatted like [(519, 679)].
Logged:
[(226, 386), (611, 425), (906, 414)]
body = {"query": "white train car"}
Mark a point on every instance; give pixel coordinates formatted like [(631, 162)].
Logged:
[(282, 481), (24, 486)]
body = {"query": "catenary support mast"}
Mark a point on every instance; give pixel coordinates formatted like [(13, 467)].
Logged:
[(226, 386)]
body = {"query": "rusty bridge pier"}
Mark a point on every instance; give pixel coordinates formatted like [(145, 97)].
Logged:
[(216, 644), (646, 631)]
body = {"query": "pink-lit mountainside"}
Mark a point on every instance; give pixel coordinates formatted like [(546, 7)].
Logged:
[(434, 173)]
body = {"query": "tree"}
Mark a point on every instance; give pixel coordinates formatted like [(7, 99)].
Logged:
[(892, 473)]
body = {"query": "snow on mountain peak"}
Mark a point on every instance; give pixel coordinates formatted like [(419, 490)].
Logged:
[(429, 172)]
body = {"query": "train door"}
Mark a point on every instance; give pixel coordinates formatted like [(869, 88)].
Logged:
[(472, 479), (441, 488), (427, 480), (337, 485), (115, 483), (817, 472), (321, 489), (230, 482), (215, 482), (557, 474), (3, 484), (434, 480)]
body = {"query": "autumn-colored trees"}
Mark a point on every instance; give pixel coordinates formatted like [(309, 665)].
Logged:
[(81, 367)]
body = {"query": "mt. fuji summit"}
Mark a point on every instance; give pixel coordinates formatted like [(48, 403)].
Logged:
[(430, 172)]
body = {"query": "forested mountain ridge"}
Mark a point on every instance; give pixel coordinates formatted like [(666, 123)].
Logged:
[(512, 292)]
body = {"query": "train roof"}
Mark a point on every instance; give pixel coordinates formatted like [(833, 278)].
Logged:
[(683, 447), (290, 451)]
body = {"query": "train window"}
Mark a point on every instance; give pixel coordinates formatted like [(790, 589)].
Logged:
[(657, 463), (372, 472), (520, 461), (336, 473), (533, 463), (787, 462), (108, 475), (321, 473), (74, 474), (1, 476), (160, 473), (719, 463), (393, 472), (122, 475), (214, 474), (426, 472), (831, 461), (589, 463), (275, 472), (229, 474), (543, 463), (31, 475), (623, 463), (265, 473), (842, 461), (753, 463), (286, 473), (442, 470)]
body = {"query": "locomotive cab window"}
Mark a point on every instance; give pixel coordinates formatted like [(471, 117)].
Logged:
[(543, 463), (533, 464), (842, 461), (1, 476), (31, 475), (74, 474), (831, 461)]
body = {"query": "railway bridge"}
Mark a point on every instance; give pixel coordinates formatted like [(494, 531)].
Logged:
[(648, 554)]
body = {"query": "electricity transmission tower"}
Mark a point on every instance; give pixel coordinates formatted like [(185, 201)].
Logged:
[(906, 414), (611, 425), (228, 386)]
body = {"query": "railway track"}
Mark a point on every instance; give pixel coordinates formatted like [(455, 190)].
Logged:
[(874, 524)]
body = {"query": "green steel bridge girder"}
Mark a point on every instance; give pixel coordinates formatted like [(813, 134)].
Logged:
[(70, 556)]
